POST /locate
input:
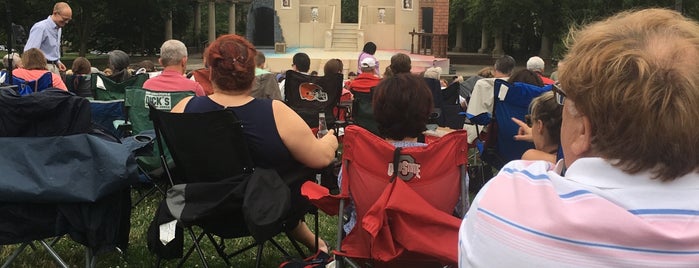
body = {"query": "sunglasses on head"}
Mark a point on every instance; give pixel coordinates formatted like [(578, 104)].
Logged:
[(558, 93)]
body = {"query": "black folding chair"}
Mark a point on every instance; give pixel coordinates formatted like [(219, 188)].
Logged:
[(214, 182)]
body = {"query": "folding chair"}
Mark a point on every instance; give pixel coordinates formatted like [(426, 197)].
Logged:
[(80, 84), (510, 101), (405, 199), (216, 185), (363, 112), (113, 90), (436, 89), (53, 183), (451, 108), (136, 104), (108, 103), (25, 87), (310, 95)]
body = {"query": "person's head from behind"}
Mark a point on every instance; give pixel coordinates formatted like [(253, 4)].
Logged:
[(526, 76), (301, 62), (147, 65), (34, 59), (81, 65), (333, 66), (401, 63), (260, 60), (232, 62), (402, 104), (118, 60), (62, 14), (351, 75), (16, 61), (504, 66), (632, 93), (486, 72), (369, 48), (545, 116), (368, 65), (536, 64), (173, 53)]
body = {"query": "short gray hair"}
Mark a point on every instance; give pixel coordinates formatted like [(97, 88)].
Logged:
[(172, 52), (536, 64)]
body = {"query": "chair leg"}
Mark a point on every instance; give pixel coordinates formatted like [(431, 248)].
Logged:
[(14, 254), (54, 254), (90, 259), (281, 249), (258, 261), (296, 246), (190, 250), (196, 241), (219, 248)]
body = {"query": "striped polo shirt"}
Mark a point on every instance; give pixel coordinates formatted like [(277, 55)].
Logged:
[(595, 216)]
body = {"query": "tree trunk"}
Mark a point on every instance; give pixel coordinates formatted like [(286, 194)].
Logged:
[(545, 52), (484, 41)]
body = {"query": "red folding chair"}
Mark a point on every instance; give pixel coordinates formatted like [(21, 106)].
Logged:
[(405, 198)]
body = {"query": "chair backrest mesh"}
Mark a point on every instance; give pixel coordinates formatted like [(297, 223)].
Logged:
[(204, 146)]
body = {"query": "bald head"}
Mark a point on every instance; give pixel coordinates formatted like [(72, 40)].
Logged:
[(62, 14)]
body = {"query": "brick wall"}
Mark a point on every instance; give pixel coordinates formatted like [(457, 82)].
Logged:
[(440, 25)]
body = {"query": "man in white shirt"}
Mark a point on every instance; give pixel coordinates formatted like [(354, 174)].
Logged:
[(482, 96)]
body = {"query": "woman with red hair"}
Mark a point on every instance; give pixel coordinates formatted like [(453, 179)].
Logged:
[(278, 138)]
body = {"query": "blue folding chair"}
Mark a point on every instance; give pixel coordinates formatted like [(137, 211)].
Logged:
[(510, 100), (25, 87)]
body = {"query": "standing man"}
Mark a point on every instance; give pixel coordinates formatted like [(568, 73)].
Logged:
[(173, 58), (46, 36)]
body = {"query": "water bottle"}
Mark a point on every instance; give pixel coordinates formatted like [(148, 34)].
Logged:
[(322, 125)]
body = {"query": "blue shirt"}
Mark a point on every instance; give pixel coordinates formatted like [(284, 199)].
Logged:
[(46, 36)]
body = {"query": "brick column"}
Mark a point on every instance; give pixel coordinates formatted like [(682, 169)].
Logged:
[(441, 27)]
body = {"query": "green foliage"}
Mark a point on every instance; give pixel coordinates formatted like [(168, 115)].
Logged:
[(350, 9), (522, 24)]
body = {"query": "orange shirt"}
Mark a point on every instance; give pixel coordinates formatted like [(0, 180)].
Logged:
[(30, 75)]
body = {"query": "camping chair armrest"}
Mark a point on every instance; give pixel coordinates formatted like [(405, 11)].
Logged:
[(320, 197)]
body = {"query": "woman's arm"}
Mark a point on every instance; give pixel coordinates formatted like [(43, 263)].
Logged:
[(299, 139)]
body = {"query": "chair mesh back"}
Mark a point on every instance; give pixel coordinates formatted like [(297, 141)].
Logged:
[(363, 112), (197, 140), (309, 95), (114, 90)]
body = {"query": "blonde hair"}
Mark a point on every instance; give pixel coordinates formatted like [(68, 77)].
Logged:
[(635, 76)]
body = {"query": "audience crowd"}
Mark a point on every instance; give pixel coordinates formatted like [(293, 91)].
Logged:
[(611, 180)]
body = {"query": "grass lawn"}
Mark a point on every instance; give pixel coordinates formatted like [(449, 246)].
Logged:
[(138, 255)]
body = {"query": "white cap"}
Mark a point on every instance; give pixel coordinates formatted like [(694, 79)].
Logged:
[(536, 64), (368, 62)]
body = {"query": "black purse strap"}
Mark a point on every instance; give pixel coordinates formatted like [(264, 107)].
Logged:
[(396, 158)]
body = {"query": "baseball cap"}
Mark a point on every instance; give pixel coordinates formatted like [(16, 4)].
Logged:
[(368, 62)]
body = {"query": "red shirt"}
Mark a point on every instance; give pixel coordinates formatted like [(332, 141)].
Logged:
[(364, 82), (546, 80), (171, 80)]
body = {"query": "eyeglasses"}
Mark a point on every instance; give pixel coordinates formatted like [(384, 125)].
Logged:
[(558, 93)]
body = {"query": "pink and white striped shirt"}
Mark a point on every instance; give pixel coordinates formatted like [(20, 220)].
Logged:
[(595, 216)]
